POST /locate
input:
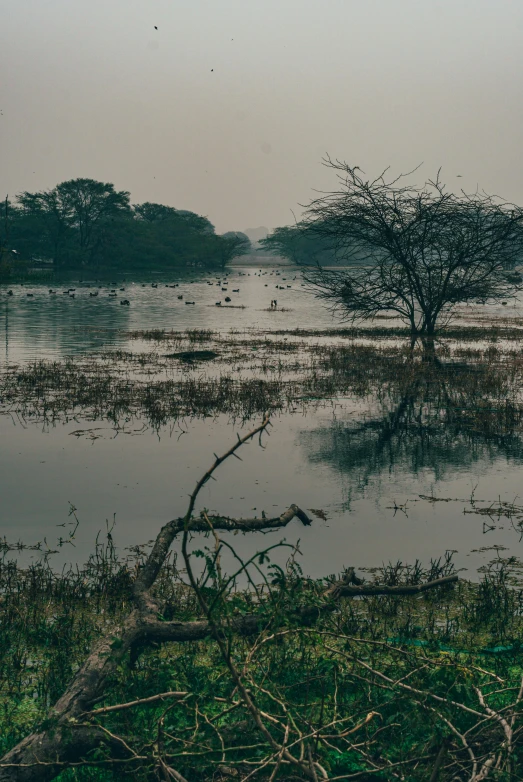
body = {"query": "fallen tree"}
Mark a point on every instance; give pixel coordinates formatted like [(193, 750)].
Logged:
[(73, 734)]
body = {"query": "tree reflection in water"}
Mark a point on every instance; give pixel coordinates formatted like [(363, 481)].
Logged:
[(438, 416)]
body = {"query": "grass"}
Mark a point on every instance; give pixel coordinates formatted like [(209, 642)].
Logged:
[(442, 642), (248, 376)]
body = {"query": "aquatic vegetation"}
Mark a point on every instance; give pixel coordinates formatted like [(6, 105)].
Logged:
[(167, 378)]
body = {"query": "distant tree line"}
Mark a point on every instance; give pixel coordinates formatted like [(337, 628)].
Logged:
[(298, 244), (84, 223)]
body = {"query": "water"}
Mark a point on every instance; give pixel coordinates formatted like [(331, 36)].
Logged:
[(368, 483), (53, 326)]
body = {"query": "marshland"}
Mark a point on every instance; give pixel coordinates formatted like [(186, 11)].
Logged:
[(261, 499), (406, 469)]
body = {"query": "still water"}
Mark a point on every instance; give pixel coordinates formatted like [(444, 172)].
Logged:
[(368, 486), (37, 324)]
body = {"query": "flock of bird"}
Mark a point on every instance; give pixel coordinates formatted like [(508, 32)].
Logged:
[(113, 293)]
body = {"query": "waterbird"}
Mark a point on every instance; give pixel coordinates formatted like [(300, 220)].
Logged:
[(235, 290), (189, 302), (29, 294), (94, 294), (9, 293), (125, 302), (227, 298), (218, 303), (180, 297)]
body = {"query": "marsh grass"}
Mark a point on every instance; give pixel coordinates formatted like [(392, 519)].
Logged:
[(444, 640), (478, 385)]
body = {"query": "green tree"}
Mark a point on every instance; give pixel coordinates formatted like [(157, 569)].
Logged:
[(68, 218), (299, 245), (83, 221), (42, 225), (232, 244), (88, 202)]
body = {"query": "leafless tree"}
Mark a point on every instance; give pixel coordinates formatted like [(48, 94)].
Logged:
[(420, 250)]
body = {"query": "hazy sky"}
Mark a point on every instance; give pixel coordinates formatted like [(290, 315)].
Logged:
[(228, 108)]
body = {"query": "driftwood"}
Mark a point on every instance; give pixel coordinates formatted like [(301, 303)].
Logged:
[(67, 737)]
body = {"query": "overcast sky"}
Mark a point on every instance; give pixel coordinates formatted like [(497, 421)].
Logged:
[(228, 108)]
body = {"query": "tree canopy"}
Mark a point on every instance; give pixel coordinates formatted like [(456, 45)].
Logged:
[(84, 223), (300, 245)]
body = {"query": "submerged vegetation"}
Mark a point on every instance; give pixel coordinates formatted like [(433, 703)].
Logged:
[(172, 375)]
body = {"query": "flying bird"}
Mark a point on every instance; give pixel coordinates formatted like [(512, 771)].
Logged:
[(155, 27), (458, 175), (212, 69)]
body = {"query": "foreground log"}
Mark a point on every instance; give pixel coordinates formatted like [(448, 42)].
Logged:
[(67, 738)]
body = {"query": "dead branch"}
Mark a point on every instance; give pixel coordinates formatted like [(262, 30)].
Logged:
[(66, 740)]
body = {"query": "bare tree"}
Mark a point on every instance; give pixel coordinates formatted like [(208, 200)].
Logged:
[(420, 250)]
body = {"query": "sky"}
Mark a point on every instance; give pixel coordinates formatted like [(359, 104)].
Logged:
[(229, 106)]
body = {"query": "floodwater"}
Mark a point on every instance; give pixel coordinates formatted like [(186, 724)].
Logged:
[(368, 486), (37, 324)]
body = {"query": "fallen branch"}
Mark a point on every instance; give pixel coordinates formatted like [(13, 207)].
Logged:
[(67, 740)]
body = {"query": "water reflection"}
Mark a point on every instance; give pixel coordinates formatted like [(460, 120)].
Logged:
[(443, 419), (71, 326)]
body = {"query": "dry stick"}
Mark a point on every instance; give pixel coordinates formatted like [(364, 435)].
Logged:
[(40, 756), (392, 683), (224, 651), (139, 702)]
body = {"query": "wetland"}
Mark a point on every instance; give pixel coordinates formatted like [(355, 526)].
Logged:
[(401, 464), (114, 410)]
